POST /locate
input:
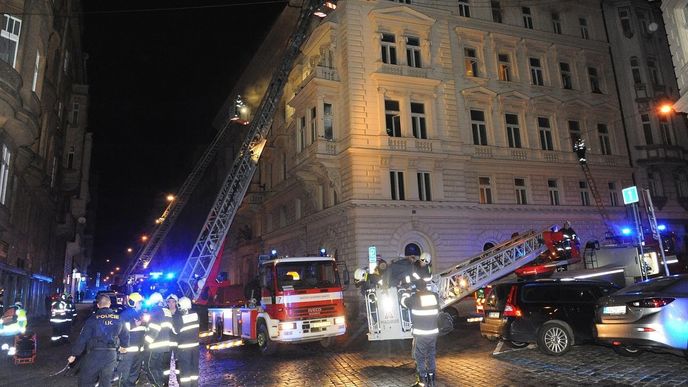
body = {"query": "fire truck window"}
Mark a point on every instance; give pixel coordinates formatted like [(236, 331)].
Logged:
[(301, 275)]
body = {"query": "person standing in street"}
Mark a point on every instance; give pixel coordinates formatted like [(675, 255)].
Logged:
[(172, 305), (60, 320), (187, 350), (101, 337), (158, 341), (424, 306), (129, 367)]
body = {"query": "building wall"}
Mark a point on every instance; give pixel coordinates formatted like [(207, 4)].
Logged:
[(39, 82), (335, 190)]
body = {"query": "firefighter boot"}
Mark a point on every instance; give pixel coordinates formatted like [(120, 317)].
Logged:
[(430, 380), (420, 381)]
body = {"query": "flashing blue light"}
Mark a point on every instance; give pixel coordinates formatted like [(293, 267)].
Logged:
[(169, 276), (155, 274), (626, 231), (323, 252), (273, 253), (661, 227)]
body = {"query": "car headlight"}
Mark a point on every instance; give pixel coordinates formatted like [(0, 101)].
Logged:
[(341, 320), (286, 326)]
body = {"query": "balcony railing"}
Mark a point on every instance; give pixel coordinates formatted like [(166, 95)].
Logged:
[(403, 70), (494, 152), (652, 154), (319, 72), (410, 144)]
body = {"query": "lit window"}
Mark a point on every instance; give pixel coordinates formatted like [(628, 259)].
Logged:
[(4, 172), (413, 57), (613, 194), (583, 23), (328, 121), (594, 80), (471, 62), (647, 128), (389, 49), (536, 72), (496, 11), (605, 145), (513, 132), (485, 190), (556, 23), (553, 187), (545, 134), (478, 127), (566, 77), (392, 118), (584, 193), (418, 120), (504, 67), (9, 39), (520, 187), (464, 8), (424, 186), (396, 179)]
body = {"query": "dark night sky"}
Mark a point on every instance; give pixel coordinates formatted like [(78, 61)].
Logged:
[(157, 79)]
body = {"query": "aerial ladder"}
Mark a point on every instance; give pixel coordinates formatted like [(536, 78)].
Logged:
[(389, 320), (203, 260), (580, 149)]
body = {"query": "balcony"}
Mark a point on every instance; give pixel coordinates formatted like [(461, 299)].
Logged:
[(319, 148), (661, 154), (539, 155), (403, 70), (319, 72), (410, 144)]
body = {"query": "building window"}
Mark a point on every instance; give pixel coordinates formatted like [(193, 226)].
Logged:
[(314, 125), (396, 179), (594, 80), (402, 1), (545, 134), (36, 71), (625, 19), (556, 23), (496, 11), (504, 67), (583, 23), (682, 185), (413, 52), (647, 128), (566, 76), (328, 121), (479, 127), (485, 190), (418, 120), (536, 72), (513, 132), (424, 186), (464, 8), (635, 71), (70, 158), (574, 132), (4, 173), (75, 113), (584, 193), (654, 182), (527, 17), (553, 187), (284, 166), (613, 194), (520, 187), (9, 39), (471, 62), (302, 133), (665, 130), (654, 72), (392, 118), (605, 145), (642, 19), (389, 49)]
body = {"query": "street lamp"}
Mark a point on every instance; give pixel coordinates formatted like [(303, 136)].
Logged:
[(117, 268), (129, 250), (107, 260), (666, 108), (170, 198), (144, 238)]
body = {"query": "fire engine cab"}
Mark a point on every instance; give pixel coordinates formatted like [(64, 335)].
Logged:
[(295, 300)]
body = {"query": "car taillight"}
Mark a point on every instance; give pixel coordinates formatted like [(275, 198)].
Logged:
[(510, 309), (652, 302)]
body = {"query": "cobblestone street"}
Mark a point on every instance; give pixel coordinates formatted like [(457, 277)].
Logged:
[(464, 359)]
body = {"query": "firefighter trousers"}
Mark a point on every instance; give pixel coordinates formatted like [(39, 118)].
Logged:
[(157, 363), (424, 353), (187, 361), (98, 367), (129, 369)]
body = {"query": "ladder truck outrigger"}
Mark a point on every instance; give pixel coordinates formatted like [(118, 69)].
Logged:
[(296, 299)]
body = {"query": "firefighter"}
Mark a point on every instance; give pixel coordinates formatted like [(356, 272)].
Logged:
[(101, 337), (13, 323), (569, 238), (158, 341), (71, 310), (129, 367), (187, 350), (172, 302), (60, 320), (422, 271), (424, 306)]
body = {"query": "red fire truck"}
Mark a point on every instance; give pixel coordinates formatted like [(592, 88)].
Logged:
[(295, 300)]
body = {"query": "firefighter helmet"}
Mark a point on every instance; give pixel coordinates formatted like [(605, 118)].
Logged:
[(359, 274), (426, 258), (172, 296), (185, 303), (155, 298), (19, 304), (134, 298)]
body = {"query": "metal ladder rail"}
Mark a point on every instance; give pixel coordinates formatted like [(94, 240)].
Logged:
[(204, 252), (157, 236), (455, 284), (596, 196)]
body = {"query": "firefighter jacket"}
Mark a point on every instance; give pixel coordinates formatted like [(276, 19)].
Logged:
[(13, 322), (60, 313), (133, 323), (188, 331), (425, 307), (103, 331), (159, 337), (421, 275), (568, 233)]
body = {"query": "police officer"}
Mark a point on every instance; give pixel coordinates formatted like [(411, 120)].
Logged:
[(129, 367), (101, 337), (187, 350), (158, 343), (424, 306), (60, 320)]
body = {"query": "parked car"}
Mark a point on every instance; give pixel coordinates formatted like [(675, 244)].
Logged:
[(648, 315), (555, 314)]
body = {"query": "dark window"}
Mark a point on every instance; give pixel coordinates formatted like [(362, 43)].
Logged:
[(540, 293), (412, 249), (576, 294)]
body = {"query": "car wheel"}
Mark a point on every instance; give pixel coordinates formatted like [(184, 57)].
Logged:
[(454, 315), (518, 344), (555, 338), (265, 345), (627, 351)]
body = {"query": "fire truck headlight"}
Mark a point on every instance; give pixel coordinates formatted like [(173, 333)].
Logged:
[(341, 320), (286, 326)]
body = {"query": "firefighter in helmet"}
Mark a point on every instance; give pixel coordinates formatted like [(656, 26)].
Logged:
[(60, 319), (187, 349), (158, 341), (422, 271), (129, 367), (424, 307)]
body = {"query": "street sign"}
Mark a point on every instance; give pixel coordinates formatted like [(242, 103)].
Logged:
[(372, 258), (630, 195)]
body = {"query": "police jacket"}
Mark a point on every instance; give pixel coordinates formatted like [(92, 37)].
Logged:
[(103, 331), (13, 322), (159, 337), (59, 312), (133, 323), (425, 307), (188, 331)]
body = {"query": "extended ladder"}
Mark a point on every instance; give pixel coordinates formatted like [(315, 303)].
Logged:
[(596, 196), (205, 251)]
